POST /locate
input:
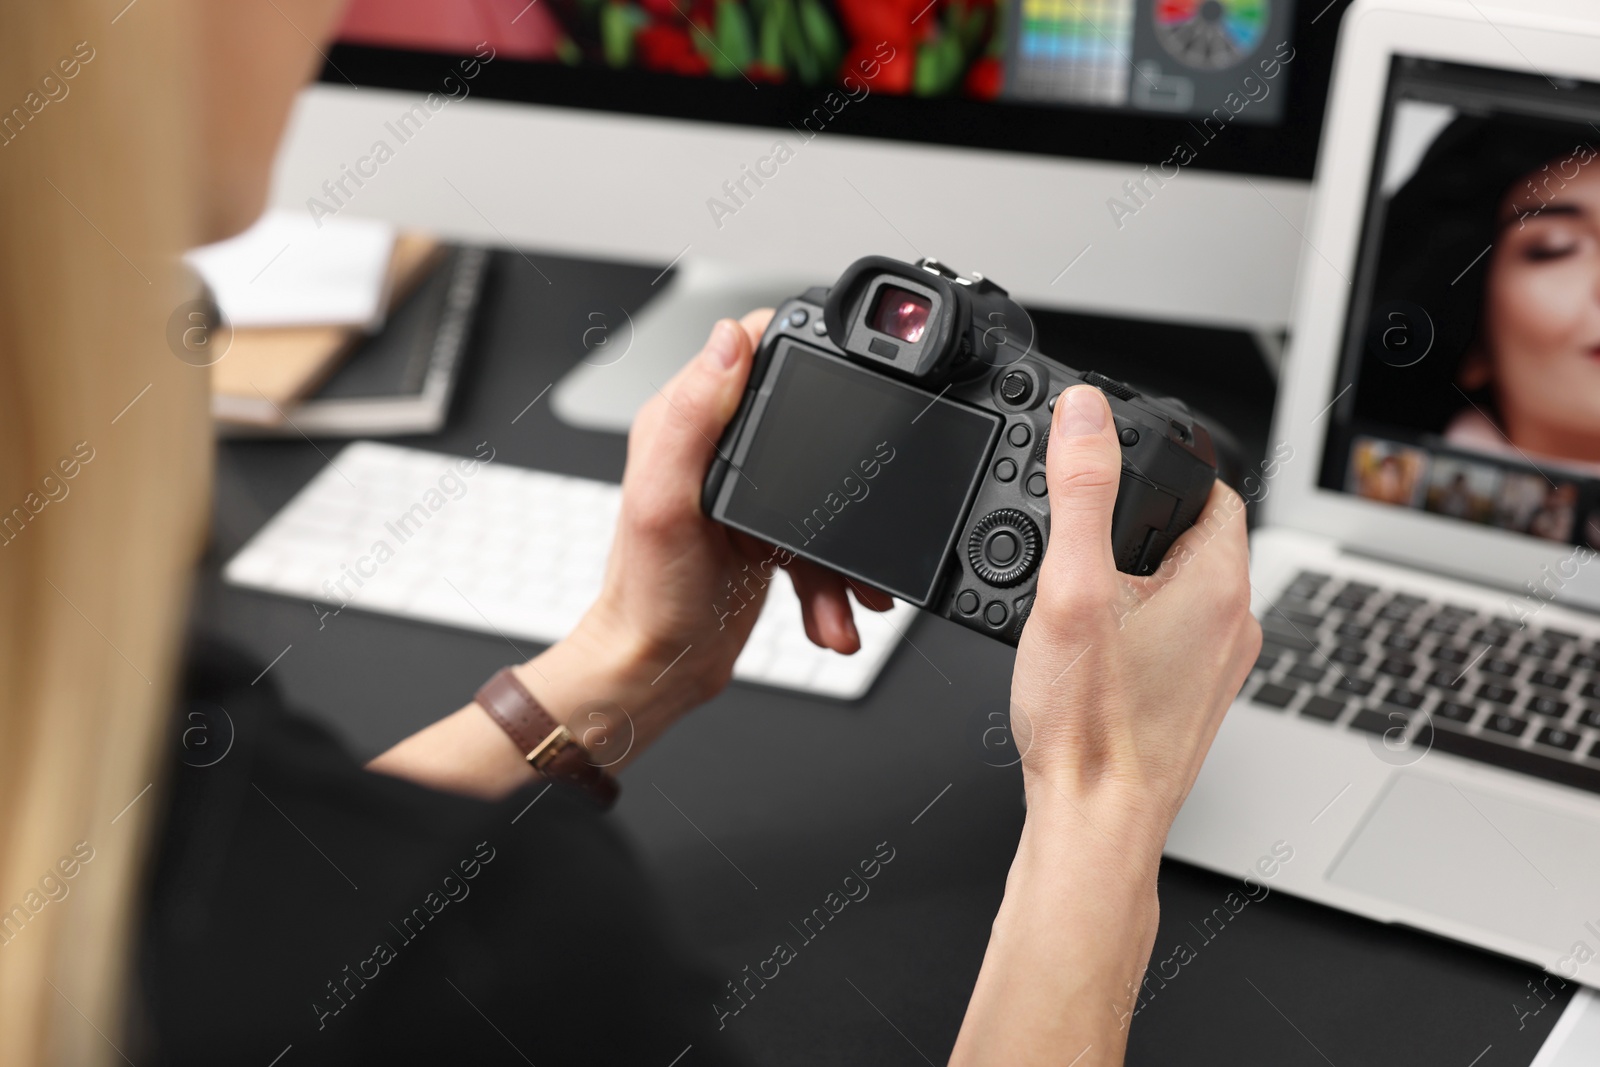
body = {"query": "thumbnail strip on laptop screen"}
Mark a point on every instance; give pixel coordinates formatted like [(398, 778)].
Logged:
[(1469, 376)]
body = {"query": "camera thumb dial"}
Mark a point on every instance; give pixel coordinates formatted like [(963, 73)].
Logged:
[(1004, 547)]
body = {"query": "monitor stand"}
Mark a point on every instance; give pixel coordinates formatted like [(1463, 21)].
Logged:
[(606, 389)]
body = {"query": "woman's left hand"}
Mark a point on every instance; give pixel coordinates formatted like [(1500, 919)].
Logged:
[(681, 592)]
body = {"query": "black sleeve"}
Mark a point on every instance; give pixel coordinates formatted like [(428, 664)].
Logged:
[(298, 902)]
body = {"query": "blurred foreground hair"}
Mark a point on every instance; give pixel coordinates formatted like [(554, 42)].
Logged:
[(104, 467)]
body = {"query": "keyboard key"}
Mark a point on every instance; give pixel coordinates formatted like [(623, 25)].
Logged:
[(1540, 650), (1399, 668), (1325, 708), (1500, 668), (1556, 737), (1350, 655), (1353, 595), (1446, 654), (1306, 585), (1497, 693), (1446, 679), (1507, 623), (1297, 613), (1550, 679), (1379, 722), (1590, 717), (1404, 698), (1443, 625), (1540, 763), (1353, 684), (1400, 642), (1562, 636), (1307, 672), (1590, 690), (1455, 711), (1267, 660), (1504, 723), (1487, 636), (1397, 612), (1273, 696), (1355, 631), (1545, 706), (1585, 661)]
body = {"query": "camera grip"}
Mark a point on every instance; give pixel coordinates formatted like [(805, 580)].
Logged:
[(1147, 520)]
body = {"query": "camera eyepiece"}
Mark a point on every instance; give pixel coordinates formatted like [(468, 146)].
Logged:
[(923, 321)]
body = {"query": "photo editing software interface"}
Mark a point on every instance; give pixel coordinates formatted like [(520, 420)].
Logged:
[(1179, 58), (1469, 380)]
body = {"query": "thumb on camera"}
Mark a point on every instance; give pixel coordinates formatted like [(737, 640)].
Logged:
[(1084, 467)]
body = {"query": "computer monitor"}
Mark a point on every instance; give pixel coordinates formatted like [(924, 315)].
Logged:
[(1149, 158)]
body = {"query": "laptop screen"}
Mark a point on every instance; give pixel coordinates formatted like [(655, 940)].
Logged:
[(1469, 377)]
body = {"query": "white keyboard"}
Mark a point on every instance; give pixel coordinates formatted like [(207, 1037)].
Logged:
[(507, 551)]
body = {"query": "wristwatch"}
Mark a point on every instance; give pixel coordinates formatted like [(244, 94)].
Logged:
[(549, 747)]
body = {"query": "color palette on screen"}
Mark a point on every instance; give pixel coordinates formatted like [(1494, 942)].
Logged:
[(1210, 34), (1075, 50)]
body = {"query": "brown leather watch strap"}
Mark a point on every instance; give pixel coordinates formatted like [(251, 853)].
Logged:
[(548, 746)]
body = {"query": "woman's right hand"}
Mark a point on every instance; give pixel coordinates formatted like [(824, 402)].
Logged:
[(1121, 682), (1119, 687)]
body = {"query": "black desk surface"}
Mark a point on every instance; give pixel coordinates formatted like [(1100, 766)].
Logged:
[(752, 810)]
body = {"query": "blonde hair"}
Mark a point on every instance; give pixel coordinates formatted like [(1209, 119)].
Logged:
[(104, 467)]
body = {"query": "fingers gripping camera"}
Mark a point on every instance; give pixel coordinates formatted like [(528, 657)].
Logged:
[(895, 428)]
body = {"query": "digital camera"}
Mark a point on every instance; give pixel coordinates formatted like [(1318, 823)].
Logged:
[(895, 428)]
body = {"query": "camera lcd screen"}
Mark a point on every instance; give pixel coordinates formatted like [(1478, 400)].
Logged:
[(867, 475)]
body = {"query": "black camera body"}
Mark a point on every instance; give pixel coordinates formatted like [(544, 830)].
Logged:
[(895, 428)]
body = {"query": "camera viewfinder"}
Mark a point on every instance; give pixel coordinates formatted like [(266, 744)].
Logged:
[(901, 314)]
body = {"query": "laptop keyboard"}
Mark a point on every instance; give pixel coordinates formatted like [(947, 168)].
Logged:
[(1425, 674)]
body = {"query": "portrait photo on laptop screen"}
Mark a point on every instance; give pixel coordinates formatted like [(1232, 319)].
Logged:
[(1469, 382)]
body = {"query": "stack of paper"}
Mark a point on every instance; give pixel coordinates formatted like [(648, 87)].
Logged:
[(287, 270), (300, 297)]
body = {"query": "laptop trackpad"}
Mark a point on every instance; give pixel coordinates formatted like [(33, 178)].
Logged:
[(1468, 853)]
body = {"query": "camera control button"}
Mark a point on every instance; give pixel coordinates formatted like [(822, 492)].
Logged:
[(1037, 486), (1005, 470), (819, 327), (1120, 390), (1016, 387), (995, 613), (798, 317), (1129, 436), (1004, 547), (1019, 435), (967, 602)]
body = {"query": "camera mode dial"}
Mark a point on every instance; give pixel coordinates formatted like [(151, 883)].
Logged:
[(1004, 547)]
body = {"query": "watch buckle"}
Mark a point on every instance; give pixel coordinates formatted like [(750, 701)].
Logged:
[(551, 747)]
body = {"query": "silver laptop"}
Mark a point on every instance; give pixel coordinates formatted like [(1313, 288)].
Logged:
[(1420, 741)]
